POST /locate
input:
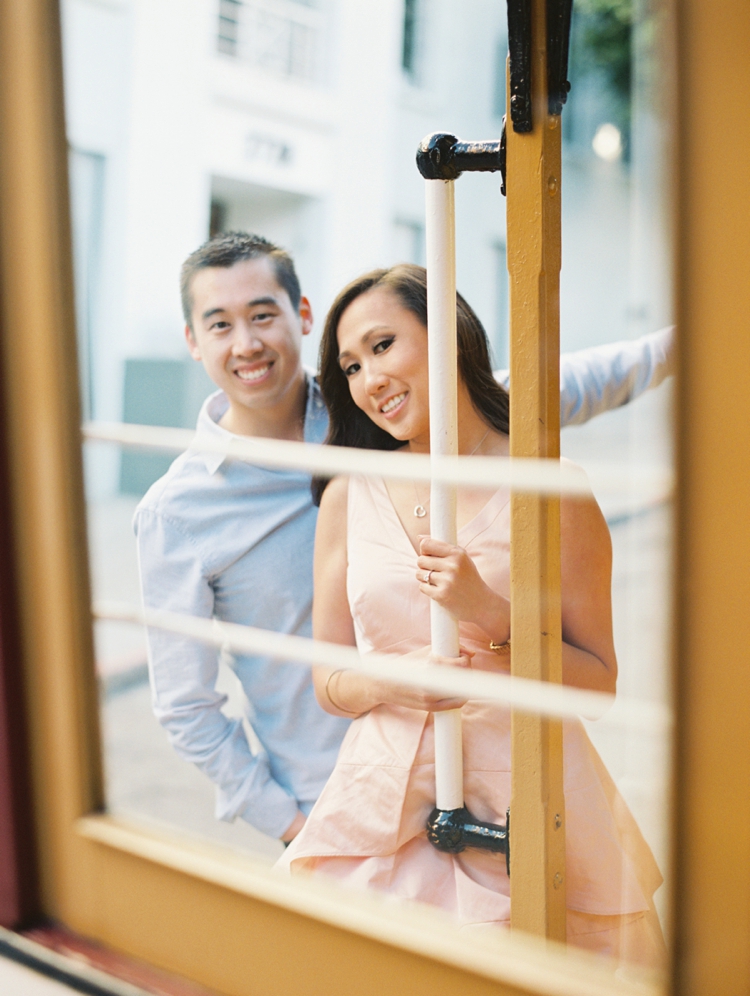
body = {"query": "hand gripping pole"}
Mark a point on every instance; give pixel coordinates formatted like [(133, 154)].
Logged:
[(441, 158)]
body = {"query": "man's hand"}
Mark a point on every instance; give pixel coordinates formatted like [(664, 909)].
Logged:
[(294, 827)]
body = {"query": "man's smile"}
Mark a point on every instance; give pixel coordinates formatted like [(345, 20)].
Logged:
[(249, 376)]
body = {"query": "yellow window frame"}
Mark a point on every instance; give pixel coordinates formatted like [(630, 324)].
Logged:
[(220, 919)]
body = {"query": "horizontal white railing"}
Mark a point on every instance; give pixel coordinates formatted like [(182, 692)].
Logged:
[(526, 475), (538, 697), (521, 474)]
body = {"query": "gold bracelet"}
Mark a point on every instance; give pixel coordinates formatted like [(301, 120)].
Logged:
[(500, 648), (352, 712)]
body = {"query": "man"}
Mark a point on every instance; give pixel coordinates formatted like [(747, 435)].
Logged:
[(220, 538)]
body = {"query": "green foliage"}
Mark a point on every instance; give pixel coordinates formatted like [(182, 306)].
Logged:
[(603, 42)]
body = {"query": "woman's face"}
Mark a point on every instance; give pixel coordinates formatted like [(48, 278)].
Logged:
[(383, 354)]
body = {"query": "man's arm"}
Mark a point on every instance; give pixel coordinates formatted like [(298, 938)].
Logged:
[(596, 380), (183, 682)]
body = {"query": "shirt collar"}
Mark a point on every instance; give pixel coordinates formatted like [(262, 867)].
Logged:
[(212, 411), (316, 416), (215, 406)]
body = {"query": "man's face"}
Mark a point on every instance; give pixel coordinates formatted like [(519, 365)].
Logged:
[(246, 332)]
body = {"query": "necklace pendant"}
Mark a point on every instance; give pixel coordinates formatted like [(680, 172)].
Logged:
[(420, 511)]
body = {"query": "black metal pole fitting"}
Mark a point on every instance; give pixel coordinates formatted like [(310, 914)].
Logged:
[(520, 26), (519, 50), (444, 157), (559, 13), (453, 830)]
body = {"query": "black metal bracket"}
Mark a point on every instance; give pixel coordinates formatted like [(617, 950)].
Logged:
[(503, 161), (558, 44), (519, 47), (443, 157), (453, 830)]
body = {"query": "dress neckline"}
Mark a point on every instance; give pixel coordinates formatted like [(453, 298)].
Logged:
[(476, 525)]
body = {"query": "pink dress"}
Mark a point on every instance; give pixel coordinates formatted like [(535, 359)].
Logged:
[(368, 826)]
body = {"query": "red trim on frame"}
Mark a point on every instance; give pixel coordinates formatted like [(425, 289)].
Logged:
[(152, 980), (18, 891)]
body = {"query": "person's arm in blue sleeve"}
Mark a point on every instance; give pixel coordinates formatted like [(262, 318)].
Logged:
[(598, 379), (183, 682)]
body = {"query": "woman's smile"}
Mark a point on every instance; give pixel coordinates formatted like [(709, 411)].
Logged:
[(383, 354), (394, 405)]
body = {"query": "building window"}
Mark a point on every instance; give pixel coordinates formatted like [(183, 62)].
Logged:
[(413, 39), (408, 242), (498, 89), (86, 175), (229, 22), (500, 338), (217, 219), (280, 36), (408, 55)]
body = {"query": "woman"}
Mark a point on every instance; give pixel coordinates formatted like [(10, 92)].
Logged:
[(373, 584)]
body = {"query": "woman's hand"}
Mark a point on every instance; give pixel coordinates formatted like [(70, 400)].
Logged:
[(350, 693), (449, 576), (392, 693)]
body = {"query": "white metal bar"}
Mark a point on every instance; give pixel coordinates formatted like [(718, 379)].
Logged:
[(522, 475), (442, 351), (537, 697)]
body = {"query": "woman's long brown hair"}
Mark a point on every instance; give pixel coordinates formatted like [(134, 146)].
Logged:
[(348, 425)]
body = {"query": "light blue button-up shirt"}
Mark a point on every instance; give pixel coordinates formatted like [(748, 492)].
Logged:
[(220, 538), (225, 539), (598, 379)]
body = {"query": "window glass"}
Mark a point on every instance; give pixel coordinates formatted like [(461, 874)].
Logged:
[(298, 121)]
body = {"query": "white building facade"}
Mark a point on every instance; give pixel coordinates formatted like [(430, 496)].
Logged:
[(298, 120)]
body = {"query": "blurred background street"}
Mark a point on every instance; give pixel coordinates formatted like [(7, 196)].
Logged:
[(187, 118)]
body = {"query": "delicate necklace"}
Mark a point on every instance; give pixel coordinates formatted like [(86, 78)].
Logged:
[(419, 509)]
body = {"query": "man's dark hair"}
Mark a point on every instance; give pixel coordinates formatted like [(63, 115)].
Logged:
[(234, 247)]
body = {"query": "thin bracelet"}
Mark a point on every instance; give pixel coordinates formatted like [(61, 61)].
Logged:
[(500, 648), (351, 712)]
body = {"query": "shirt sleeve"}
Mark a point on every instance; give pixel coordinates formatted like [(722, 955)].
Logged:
[(183, 682), (596, 380)]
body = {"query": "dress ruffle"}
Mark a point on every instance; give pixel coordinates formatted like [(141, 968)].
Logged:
[(375, 806)]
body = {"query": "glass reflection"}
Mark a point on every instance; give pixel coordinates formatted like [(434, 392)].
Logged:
[(249, 116)]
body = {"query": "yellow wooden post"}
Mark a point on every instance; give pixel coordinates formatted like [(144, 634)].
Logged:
[(537, 805)]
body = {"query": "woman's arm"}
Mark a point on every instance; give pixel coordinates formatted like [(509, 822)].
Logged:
[(589, 659), (588, 656), (348, 693)]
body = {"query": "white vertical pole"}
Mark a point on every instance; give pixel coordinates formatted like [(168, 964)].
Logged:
[(441, 310)]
